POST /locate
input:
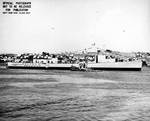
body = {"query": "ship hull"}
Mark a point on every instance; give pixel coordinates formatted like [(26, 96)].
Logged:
[(134, 65)]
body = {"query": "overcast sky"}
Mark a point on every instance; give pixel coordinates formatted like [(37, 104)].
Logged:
[(66, 25)]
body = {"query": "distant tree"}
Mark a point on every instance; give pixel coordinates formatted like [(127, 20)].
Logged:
[(45, 53), (148, 54), (109, 51), (30, 58)]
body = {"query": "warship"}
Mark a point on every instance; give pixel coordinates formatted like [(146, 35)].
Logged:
[(130, 65), (100, 62)]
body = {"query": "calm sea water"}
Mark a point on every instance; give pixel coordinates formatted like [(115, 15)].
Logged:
[(46, 95)]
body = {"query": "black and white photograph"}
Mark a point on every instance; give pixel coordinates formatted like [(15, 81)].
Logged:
[(74, 60)]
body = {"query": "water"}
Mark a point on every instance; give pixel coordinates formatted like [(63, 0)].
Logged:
[(46, 95)]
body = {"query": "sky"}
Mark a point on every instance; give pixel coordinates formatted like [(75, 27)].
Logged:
[(69, 25)]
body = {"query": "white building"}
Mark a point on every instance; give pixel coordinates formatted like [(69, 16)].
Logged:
[(102, 58), (44, 60)]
